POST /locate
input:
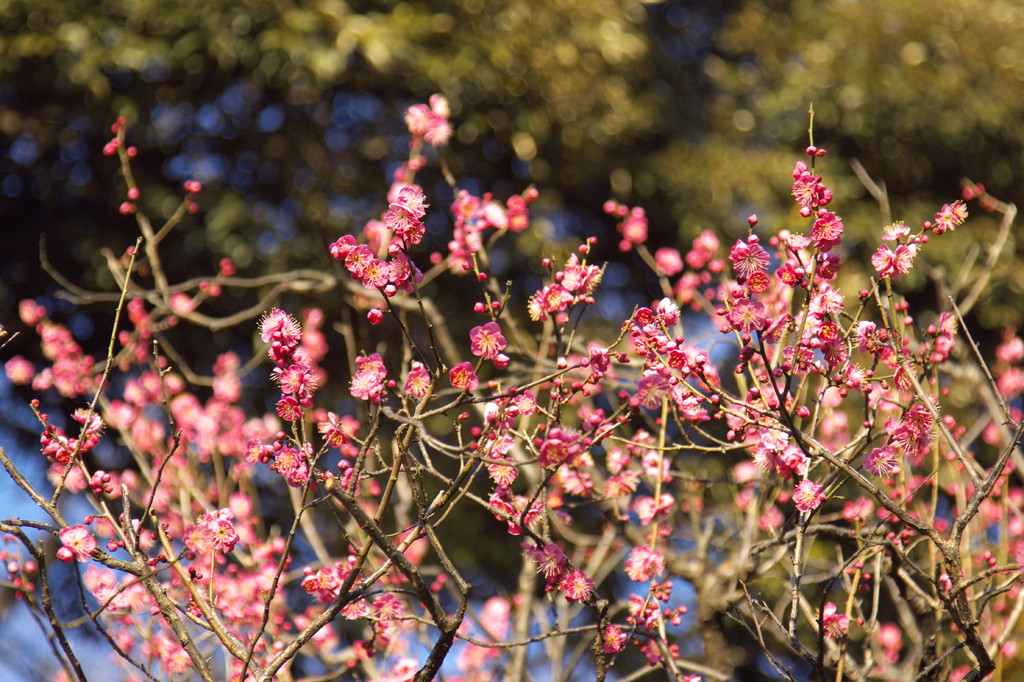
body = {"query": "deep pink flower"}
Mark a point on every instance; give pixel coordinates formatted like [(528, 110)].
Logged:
[(882, 462), (293, 464), (614, 639), (337, 430), (550, 560), (553, 298), (280, 329), (950, 217), (669, 261), (577, 586), (462, 376), (827, 231), (561, 446), (368, 381), (487, 340), (19, 370), (835, 624), (891, 639), (748, 257), (418, 381)]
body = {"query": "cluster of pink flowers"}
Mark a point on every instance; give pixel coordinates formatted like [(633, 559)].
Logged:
[(368, 383), (633, 226), (391, 276), (475, 215), (559, 574), (295, 371), (76, 543), (573, 283), (215, 531), (430, 123), (59, 448)]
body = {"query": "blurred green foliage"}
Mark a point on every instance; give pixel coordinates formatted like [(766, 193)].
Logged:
[(292, 111)]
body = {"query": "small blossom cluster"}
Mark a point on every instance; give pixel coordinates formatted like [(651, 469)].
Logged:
[(475, 215), (670, 364), (59, 448), (215, 531), (291, 462), (391, 276), (633, 224), (294, 371), (76, 543), (70, 371), (573, 284), (558, 573), (808, 190), (368, 383), (430, 123)]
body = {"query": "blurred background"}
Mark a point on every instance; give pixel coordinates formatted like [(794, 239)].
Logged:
[(290, 113)]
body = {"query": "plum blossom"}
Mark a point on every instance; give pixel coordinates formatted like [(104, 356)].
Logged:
[(644, 563), (487, 340), (883, 461), (827, 231), (77, 543), (747, 316), (949, 217), (550, 560), (430, 123), (561, 446), (748, 257), (368, 381), (462, 376), (891, 264), (835, 624), (577, 586), (808, 495)]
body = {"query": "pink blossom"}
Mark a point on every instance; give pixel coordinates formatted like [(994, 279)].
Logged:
[(30, 312), (614, 639), (418, 382), (652, 388), (561, 446), (894, 231), (550, 560), (368, 381), (748, 257), (462, 376), (835, 624), (950, 217), (494, 617), (577, 586), (430, 123), (808, 495), (78, 543), (487, 340), (882, 462), (553, 298), (644, 563), (19, 370), (293, 464), (827, 231), (747, 316), (669, 261), (892, 264), (891, 640)]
